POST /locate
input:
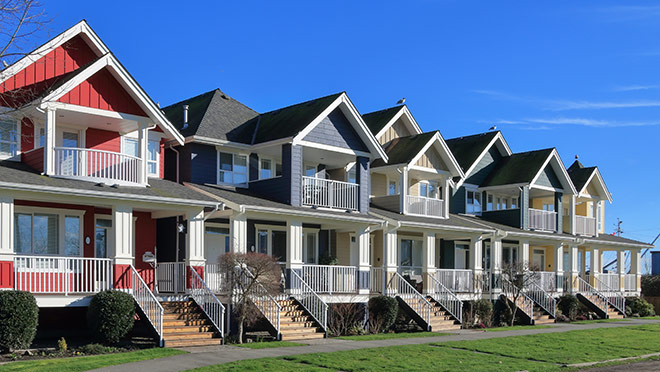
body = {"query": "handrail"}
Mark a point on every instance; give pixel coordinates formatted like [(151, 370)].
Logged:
[(418, 303), (260, 297), (445, 297), (309, 299), (62, 274), (542, 298), (613, 296), (149, 304), (600, 300), (97, 151), (92, 164), (524, 303), (331, 278), (207, 301)]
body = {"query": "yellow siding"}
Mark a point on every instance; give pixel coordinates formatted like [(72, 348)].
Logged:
[(549, 257), (377, 253), (343, 249), (398, 129), (378, 184), (413, 190), (431, 159), (602, 217)]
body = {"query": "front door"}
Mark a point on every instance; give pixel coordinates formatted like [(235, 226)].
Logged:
[(69, 159), (538, 259), (102, 242)]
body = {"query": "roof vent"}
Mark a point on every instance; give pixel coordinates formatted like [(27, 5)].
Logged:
[(185, 117)]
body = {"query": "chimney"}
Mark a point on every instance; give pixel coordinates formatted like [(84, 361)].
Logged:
[(185, 117)]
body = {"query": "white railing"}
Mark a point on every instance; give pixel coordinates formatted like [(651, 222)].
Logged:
[(98, 165), (215, 279), (425, 206), (446, 298), (377, 280), (585, 225), (612, 293), (147, 302), (608, 281), (547, 280), (456, 280), (398, 286), (330, 279), (260, 297), (630, 283), (207, 301), (319, 192), (542, 298), (171, 277), (522, 300), (311, 301), (542, 220), (595, 296), (411, 271), (66, 275)]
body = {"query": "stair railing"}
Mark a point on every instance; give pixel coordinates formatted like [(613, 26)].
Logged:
[(207, 301), (597, 298), (417, 302), (446, 298), (614, 297), (147, 302), (309, 299), (523, 301), (541, 298), (260, 297)]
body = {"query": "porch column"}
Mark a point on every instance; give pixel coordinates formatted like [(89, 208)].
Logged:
[(294, 253), (363, 260), (390, 257), (238, 233), (571, 215), (445, 197), (428, 261), (559, 209), (6, 242), (583, 267), (195, 259), (496, 266), (403, 187), (636, 268), (476, 263), (594, 266), (595, 214), (621, 269), (559, 266), (122, 251), (573, 269), (523, 252), (143, 143), (49, 141)]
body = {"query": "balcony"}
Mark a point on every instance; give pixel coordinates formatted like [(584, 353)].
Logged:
[(330, 278), (98, 166), (542, 220), (423, 206), (320, 192), (62, 275), (456, 280), (585, 226)]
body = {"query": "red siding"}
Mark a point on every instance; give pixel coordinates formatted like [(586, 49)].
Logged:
[(6, 274), (122, 276), (102, 91), (161, 166), (27, 135), (145, 240), (106, 140), (34, 158)]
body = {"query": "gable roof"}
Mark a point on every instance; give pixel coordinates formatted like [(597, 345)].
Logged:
[(581, 176), (214, 115), (402, 150), (377, 120), (517, 168), (468, 150)]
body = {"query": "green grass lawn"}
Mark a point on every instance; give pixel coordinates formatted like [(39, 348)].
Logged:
[(269, 344), (517, 328), (600, 321), (86, 363), (388, 336)]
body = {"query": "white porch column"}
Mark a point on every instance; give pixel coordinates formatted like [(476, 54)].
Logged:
[(559, 266), (7, 242), (143, 143), (390, 256), (403, 187), (523, 253), (496, 265), (238, 233), (594, 266), (364, 260), (476, 263), (49, 141), (294, 249), (446, 196), (572, 269), (195, 239), (428, 261), (571, 215), (122, 251), (636, 268), (583, 267), (595, 213), (621, 269)]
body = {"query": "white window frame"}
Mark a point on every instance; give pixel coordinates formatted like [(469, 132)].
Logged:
[(271, 168), (316, 249), (269, 237), (599, 214), (18, 141), (111, 236), (233, 162), (475, 191), (412, 257), (307, 166), (61, 239), (157, 161)]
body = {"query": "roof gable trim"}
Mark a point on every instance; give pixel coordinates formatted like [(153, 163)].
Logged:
[(411, 122), (444, 152), (559, 169)]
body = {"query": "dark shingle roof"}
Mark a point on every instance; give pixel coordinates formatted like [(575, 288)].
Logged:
[(19, 173), (608, 238), (376, 120), (403, 149), (517, 168), (213, 114), (513, 230), (580, 174), (467, 149)]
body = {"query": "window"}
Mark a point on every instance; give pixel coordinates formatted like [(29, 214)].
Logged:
[(599, 217), (514, 203), (489, 205), (72, 236), (391, 188), (423, 189), (411, 253), (102, 236), (42, 137), (153, 154), (8, 138), (351, 175), (473, 205), (271, 242), (265, 169), (214, 235), (310, 171), (278, 169), (548, 207), (310, 247), (434, 190), (232, 168), (131, 147), (36, 233)]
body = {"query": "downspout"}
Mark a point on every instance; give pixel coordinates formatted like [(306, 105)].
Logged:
[(177, 162)]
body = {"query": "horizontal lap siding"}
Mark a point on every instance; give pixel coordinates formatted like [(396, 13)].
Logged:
[(548, 178), (458, 201), (509, 217), (200, 164), (276, 189)]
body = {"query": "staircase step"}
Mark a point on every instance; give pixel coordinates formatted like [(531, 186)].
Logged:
[(172, 329), (189, 336), (183, 322), (302, 336), (190, 343)]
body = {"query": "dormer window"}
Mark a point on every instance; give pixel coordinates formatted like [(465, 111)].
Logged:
[(232, 168), (8, 138)]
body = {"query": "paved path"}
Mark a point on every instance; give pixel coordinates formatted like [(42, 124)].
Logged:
[(649, 366), (210, 355)]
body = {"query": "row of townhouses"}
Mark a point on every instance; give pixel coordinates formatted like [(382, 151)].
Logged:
[(101, 188)]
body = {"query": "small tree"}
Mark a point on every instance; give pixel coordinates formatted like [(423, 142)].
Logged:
[(246, 274), (520, 276)]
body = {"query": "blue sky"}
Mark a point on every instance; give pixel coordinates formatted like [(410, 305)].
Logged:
[(580, 76)]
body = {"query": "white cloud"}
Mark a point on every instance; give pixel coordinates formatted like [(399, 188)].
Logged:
[(631, 88), (550, 123)]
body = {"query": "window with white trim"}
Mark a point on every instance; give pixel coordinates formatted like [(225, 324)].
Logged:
[(153, 156), (48, 233), (599, 217), (9, 138), (473, 202), (310, 171), (131, 146), (310, 246), (265, 169), (351, 175), (232, 168), (271, 240), (391, 188)]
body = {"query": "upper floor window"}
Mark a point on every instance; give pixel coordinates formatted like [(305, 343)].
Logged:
[(490, 205), (514, 202), (548, 207), (232, 168), (391, 188), (265, 169), (351, 175), (310, 171), (8, 138), (473, 202), (132, 147), (430, 190)]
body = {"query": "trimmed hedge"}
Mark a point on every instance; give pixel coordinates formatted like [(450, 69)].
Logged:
[(19, 316), (384, 309), (568, 304), (651, 285), (483, 309), (110, 316)]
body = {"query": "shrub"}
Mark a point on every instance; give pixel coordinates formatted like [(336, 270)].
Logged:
[(483, 309), (568, 305), (62, 347), (651, 285), (345, 319), (382, 313), (93, 349), (326, 259), (19, 316), (636, 306), (110, 315)]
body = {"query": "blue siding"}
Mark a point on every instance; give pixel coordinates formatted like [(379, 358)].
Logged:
[(202, 161), (549, 178), (457, 201), (336, 130), (363, 178), (483, 168), (509, 217)]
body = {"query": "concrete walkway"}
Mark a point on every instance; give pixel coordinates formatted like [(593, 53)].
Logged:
[(210, 355)]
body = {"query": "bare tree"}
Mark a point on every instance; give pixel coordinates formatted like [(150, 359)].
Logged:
[(345, 318), (516, 278), (19, 21), (248, 275)]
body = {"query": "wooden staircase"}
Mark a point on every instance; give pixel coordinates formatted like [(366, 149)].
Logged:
[(441, 320), (296, 323), (541, 316), (591, 301), (185, 324), (614, 313)]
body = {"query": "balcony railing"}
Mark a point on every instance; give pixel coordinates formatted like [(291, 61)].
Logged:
[(319, 192), (585, 225), (62, 275), (98, 165), (608, 282), (424, 206), (545, 280), (630, 283), (331, 279), (542, 220), (456, 280)]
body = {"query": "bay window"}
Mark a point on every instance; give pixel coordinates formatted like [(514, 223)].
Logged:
[(232, 168)]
